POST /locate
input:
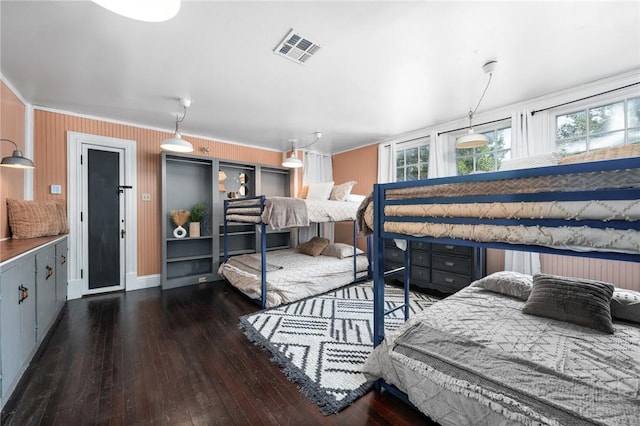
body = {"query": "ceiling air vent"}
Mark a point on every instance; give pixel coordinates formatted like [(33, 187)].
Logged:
[(296, 47)]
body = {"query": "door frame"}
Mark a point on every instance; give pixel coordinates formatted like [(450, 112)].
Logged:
[(75, 141)]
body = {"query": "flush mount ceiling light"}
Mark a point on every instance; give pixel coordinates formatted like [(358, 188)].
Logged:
[(142, 10), (473, 139), (176, 143), (16, 160), (292, 161), (296, 48)]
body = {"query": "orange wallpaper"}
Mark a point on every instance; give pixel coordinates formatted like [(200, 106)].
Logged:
[(12, 125), (50, 140), (360, 165)]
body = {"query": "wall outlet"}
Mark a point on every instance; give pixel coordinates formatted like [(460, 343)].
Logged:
[(146, 197), (56, 189)]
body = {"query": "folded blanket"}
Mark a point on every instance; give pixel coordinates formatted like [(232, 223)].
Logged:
[(285, 212)]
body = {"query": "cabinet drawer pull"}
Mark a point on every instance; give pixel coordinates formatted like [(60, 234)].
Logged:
[(24, 293), (49, 271), (449, 247), (449, 263), (449, 280), (63, 259)]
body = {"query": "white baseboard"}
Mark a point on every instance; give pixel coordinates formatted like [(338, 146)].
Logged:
[(146, 281), (74, 287)]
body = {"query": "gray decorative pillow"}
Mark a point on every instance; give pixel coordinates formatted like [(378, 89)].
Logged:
[(625, 305), (314, 247), (578, 301), (509, 283), (340, 192), (340, 250)]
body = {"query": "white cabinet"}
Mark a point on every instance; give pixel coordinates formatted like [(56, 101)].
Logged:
[(33, 289)]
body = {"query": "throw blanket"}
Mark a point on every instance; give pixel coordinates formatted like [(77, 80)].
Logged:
[(361, 216), (285, 212), (245, 261), (520, 389)]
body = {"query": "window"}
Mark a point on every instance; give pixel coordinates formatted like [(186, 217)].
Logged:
[(412, 160), (603, 126), (485, 158)]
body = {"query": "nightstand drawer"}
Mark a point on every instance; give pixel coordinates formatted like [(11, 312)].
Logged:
[(418, 245), (420, 275), (421, 258), (449, 281), (458, 265), (393, 255), (448, 248)]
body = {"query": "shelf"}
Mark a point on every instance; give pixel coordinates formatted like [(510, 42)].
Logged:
[(188, 258), (230, 234), (206, 237), (237, 252)]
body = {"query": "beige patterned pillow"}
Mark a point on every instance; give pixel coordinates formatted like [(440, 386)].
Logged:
[(340, 250), (33, 219), (314, 247), (578, 301), (340, 192)]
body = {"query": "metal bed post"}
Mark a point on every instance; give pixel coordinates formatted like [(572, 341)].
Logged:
[(378, 269), (406, 281), (263, 255), (224, 229), (355, 251)]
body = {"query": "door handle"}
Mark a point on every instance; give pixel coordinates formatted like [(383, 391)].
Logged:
[(122, 232), (24, 293)]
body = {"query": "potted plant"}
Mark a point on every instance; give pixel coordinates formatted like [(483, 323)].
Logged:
[(195, 217)]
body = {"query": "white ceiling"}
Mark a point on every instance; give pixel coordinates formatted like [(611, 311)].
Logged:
[(384, 68)]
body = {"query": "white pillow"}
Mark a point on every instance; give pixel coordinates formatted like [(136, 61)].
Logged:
[(356, 198), (319, 191), (548, 159), (340, 250)]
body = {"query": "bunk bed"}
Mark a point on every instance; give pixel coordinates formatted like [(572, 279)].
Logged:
[(283, 276), (482, 355)]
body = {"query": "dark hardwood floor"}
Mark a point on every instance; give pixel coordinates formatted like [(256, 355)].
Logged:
[(175, 357)]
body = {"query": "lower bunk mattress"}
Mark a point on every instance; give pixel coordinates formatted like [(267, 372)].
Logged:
[(475, 358), (291, 275)]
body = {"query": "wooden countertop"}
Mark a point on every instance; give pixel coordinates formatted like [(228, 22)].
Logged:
[(14, 248)]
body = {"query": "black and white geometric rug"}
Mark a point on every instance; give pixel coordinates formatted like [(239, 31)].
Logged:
[(321, 343)]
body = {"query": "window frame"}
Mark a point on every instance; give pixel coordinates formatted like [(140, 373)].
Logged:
[(410, 144), (586, 106), (502, 125)]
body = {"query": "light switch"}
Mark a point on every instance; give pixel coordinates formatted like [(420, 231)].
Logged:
[(56, 189), (146, 197)]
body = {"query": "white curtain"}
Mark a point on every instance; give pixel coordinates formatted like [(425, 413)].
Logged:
[(442, 155), (527, 139), (317, 168), (386, 162)]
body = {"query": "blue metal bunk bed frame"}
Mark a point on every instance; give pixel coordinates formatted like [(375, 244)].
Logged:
[(380, 201), (263, 247)]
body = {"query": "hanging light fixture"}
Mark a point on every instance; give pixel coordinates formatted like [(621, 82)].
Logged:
[(292, 161), (16, 160), (142, 10), (176, 143), (473, 139)]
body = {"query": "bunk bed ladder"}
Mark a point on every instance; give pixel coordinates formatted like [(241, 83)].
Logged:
[(355, 254)]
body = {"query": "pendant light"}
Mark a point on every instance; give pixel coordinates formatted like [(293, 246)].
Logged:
[(142, 10), (16, 160), (473, 139), (292, 161), (176, 143)]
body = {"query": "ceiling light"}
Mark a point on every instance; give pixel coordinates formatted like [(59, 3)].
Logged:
[(292, 161), (16, 160), (143, 10), (473, 139), (176, 143)]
